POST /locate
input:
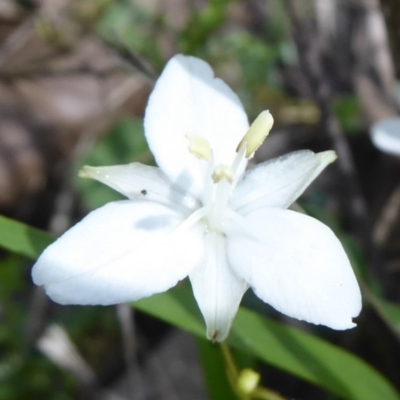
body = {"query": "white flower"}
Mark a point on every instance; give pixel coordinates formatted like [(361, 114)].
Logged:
[(385, 135), (200, 215)]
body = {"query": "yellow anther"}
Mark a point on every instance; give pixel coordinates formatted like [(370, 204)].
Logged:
[(248, 381), (222, 172), (257, 133), (199, 147)]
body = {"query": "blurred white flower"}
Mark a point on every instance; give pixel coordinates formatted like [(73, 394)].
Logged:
[(385, 135), (200, 215)]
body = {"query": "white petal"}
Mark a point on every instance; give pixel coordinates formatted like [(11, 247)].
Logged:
[(386, 135), (121, 252), (280, 181), (298, 266), (138, 181), (188, 99), (216, 288)]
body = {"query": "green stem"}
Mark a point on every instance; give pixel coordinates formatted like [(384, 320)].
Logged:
[(263, 393), (231, 367), (233, 373)]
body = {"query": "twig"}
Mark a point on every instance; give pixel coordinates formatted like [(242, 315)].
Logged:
[(391, 11), (388, 217), (310, 63), (127, 57), (126, 321), (59, 223), (160, 373), (32, 72), (57, 345), (17, 40)]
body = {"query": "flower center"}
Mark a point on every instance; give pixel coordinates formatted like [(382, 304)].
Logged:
[(222, 179)]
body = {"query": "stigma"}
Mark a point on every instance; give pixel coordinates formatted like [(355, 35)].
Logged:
[(222, 172)]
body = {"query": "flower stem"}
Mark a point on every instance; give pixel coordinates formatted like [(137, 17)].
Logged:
[(231, 367), (234, 374), (262, 393)]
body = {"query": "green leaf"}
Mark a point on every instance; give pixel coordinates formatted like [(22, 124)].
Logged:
[(310, 358), (134, 27), (348, 110), (214, 371), (392, 312), (293, 351), (387, 310), (22, 239), (289, 349)]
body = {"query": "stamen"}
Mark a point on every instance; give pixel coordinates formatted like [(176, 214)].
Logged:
[(222, 172), (256, 134), (219, 207), (199, 147), (239, 165), (209, 187)]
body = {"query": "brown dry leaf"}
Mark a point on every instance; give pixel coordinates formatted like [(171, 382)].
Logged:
[(50, 97)]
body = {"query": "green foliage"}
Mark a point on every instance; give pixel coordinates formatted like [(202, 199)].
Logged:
[(298, 353), (392, 311), (30, 376), (214, 371), (194, 37), (388, 311), (130, 25), (22, 239), (19, 361), (252, 63), (293, 351), (348, 113)]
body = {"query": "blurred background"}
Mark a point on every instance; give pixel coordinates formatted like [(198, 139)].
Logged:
[(75, 76)]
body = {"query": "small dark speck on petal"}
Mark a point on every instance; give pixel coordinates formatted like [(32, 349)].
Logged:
[(214, 336), (143, 192)]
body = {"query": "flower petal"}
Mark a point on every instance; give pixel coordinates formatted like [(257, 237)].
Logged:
[(138, 181), (385, 135), (188, 99), (121, 252), (280, 181), (297, 265), (217, 289)]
